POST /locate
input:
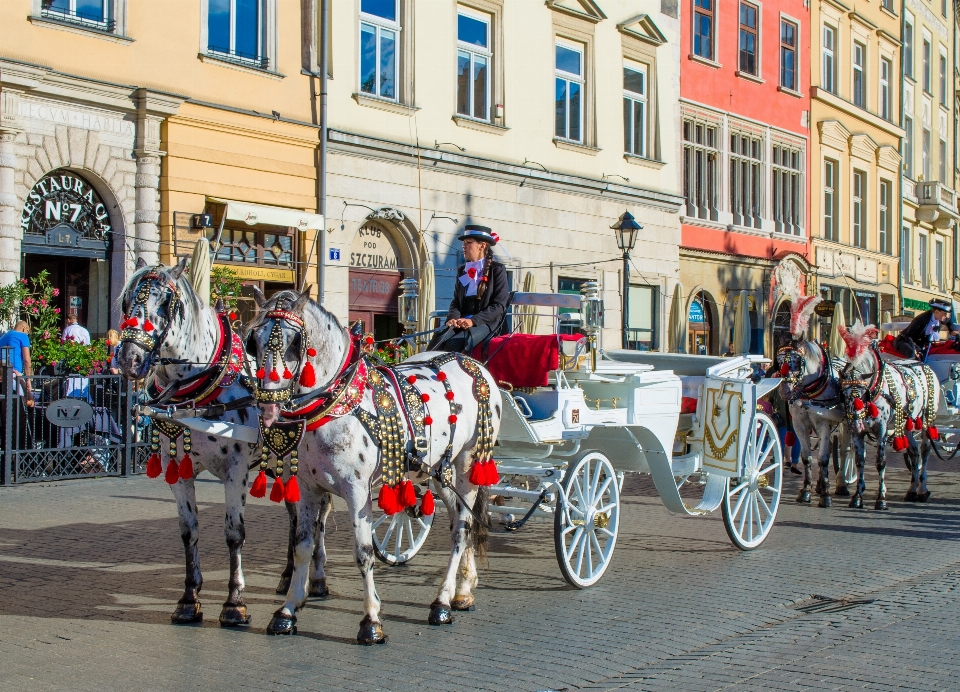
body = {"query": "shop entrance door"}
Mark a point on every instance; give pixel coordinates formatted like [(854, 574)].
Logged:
[(373, 299)]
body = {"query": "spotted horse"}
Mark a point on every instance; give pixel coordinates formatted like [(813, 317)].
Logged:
[(335, 422), (189, 358)]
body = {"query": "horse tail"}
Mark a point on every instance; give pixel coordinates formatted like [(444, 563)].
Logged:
[(479, 533)]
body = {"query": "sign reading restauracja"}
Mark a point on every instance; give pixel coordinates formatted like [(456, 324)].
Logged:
[(62, 199)]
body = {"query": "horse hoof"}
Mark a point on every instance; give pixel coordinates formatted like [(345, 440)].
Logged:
[(234, 615), (857, 502), (318, 588), (440, 614), (911, 496), (804, 497), (841, 491), (923, 497), (825, 502), (186, 613), (281, 623), (881, 504), (370, 632), (284, 584), (464, 603)]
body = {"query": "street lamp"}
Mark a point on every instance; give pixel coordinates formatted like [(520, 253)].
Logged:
[(626, 228), (408, 305)]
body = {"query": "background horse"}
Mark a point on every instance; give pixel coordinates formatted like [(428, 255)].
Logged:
[(341, 453), (175, 338), (882, 398)]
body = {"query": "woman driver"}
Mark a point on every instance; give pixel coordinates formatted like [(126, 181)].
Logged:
[(480, 294)]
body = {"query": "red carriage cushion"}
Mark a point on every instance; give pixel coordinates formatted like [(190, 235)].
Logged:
[(524, 360), (945, 348), (886, 346)]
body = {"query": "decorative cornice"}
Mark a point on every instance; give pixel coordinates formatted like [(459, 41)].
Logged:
[(643, 28), (588, 9), (833, 134), (889, 158), (863, 147)]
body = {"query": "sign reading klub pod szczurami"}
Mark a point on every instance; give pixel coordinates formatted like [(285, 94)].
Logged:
[(65, 201)]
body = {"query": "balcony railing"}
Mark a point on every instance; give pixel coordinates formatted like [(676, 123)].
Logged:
[(79, 19), (240, 58), (938, 204)]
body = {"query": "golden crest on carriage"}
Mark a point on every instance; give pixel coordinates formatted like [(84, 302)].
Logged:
[(722, 439)]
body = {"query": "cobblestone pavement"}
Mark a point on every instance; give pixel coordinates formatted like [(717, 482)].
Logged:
[(90, 571)]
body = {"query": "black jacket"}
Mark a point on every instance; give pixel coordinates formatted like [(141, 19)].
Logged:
[(916, 331), (492, 305)]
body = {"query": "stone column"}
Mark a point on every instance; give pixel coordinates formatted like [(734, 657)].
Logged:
[(9, 213), (147, 215)]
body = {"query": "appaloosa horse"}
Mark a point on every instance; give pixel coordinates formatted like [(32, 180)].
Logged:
[(189, 351), (881, 399), (342, 422)]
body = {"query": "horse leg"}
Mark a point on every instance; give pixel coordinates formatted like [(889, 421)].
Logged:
[(804, 496), (359, 504), (234, 611), (284, 584), (923, 456), (284, 620), (881, 471), (824, 482), (857, 500), (842, 467), (188, 607), (912, 465), (318, 578)]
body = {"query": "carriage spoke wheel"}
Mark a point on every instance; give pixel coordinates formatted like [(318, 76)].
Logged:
[(398, 537), (585, 526), (750, 502)]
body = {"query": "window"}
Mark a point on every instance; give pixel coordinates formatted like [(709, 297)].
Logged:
[(908, 146), (943, 7), (473, 65), (859, 51), (788, 55), (92, 13), (787, 196), (830, 229), (746, 179), (886, 190), (569, 91), (943, 80), (887, 4), (700, 168), (859, 209), (905, 269), (703, 28), (938, 263), (635, 109), (643, 318), (379, 39), (943, 161), (829, 55), (569, 286), (748, 38), (925, 154), (908, 48), (884, 105), (235, 31), (922, 259), (926, 64)]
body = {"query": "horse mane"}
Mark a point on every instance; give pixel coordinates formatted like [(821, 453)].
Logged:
[(801, 310), (858, 339)]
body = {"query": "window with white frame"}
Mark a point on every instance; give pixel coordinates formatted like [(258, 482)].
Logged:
[(887, 4), (922, 260), (379, 48), (569, 84), (748, 63), (787, 188), (473, 64), (938, 263), (235, 30), (701, 171), (635, 108), (943, 161), (703, 28), (859, 60), (926, 64), (859, 209), (884, 96), (94, 14), (943, 79), (829, 59), (908, 146), (886, 192), (830, 229), (908, 47), (925, 154), (788, 55), (746, 179), (905, 267)]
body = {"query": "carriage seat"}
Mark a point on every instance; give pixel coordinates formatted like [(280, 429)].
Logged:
[(523, 360)]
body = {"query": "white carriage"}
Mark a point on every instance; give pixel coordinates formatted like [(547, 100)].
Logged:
[(564, 449)]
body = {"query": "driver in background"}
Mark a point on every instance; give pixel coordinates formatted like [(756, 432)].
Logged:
[(913, 341)]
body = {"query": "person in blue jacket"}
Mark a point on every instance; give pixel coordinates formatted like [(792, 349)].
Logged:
[(17, 345)]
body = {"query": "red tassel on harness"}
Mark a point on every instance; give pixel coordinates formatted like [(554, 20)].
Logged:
[(858, 404), (276, 494), (933, 432), (441, 376), (449, 396), (789, 439), (918, 423), (909, 426), (274, 376), (872, 410), (173, 472), (426, 505), (493, 476), (261, 374), (147, 326), (428, 420), (186, 467), (477, 474), (424, 397), (154, 467), (412, 379), (132, 322), (898, 444), (388, 500), (406, 495), (291, 493), (784, 370), (308, 377), (311, 352), (452, 419), (259, 487), (287, 375)]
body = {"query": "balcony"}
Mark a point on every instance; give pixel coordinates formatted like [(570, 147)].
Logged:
[(938, 204)]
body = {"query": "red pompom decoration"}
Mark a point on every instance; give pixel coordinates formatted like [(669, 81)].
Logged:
[(388, 500), (233, 315), (186, 467), (311, 352), (261, 374), (784, 370), (291, 492), (452, 419), (308, 377), (406, 495), (477, 474), (427, 420), (441, 376), (154, 467), (369, 342), (259, 487), (472, 273), (933, 433), (276, 494), (426, 504), (790, 439), (897, 444), (412, 379), (858, 404), (287, 375), (274, 376), (909, 426), (424, 397), (449, 396), (872, 410), (173, 472), (132, 322)]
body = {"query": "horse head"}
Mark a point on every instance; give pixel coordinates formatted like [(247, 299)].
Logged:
[(860, 373), (794, 369)]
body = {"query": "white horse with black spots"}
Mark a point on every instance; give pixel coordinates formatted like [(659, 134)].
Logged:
[(339, 453), (884, 399), (169, 336)]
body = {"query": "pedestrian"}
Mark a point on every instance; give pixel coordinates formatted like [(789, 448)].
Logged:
[(729, 353), (17, 345), (75, 332), (113, 342)]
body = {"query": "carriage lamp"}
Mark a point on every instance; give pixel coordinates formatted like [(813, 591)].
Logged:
[(627, 231), (591, 308), (409, 305)]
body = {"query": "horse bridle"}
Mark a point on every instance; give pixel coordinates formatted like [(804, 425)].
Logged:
[(136, 332), (858, 385), (795, 377), (275, 347)]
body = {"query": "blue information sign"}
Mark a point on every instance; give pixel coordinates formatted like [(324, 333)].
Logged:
[(334, 254), (696, 312)]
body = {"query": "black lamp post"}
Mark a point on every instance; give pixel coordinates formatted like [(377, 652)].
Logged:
[(626, 228)]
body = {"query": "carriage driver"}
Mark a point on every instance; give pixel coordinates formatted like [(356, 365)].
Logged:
[(913, 341), (480, 294)]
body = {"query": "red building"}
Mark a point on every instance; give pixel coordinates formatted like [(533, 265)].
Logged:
[(745, 110)]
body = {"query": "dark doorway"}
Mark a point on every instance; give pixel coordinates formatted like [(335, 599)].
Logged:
[(71, 275)]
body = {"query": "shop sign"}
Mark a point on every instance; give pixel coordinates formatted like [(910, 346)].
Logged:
[(373, 249), (260, 273), (826, 308), (912, 304), (69, 413), (696, 312), (64, 208)]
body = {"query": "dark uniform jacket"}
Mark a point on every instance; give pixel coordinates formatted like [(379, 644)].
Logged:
[(487, 310), (916, 331)]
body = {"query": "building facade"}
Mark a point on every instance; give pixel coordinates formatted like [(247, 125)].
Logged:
[(745, 158)]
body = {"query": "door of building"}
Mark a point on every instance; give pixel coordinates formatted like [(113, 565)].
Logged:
[(375, 282), (700, 320)]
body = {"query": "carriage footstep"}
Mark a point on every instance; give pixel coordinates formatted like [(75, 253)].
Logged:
[(234, 616), (923, 497), (318, 588), (370, 632), (440, 614), (187, 613), (463, 604), (281, 623)]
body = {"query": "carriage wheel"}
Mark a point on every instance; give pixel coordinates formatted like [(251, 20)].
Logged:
[(585, 526), (398, 537), (750, 503)]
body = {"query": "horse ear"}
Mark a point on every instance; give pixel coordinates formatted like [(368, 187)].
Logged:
[(141, 263), (258, 297), (178, 270), (302, 300)]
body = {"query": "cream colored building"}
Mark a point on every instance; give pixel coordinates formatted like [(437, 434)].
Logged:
[(440, 113)]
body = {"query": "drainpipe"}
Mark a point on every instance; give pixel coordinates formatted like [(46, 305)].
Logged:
[(903, 7), (322, 202)]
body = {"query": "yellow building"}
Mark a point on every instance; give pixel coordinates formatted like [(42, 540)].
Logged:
[(855, 163), (543, 120)]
